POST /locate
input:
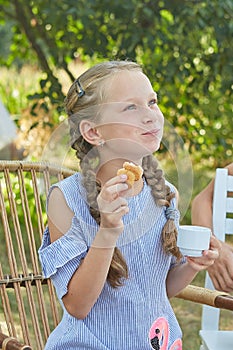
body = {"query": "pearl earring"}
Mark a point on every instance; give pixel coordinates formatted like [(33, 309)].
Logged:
[(101, 143)]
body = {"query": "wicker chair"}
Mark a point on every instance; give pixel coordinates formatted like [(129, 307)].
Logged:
[(29, 309)]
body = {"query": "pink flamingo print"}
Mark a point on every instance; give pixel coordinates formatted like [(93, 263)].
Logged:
[(177, 345), (159, 334)]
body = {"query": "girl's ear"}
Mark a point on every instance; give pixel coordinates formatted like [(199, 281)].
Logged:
[(89, 132)]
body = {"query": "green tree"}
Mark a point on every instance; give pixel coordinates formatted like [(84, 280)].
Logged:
[(184, 46)]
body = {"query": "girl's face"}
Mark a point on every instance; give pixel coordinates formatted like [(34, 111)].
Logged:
[(131, 122)]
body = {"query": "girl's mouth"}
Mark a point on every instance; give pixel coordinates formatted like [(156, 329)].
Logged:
[(153, 132)]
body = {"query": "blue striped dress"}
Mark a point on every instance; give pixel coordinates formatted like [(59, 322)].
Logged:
[(121, 318)]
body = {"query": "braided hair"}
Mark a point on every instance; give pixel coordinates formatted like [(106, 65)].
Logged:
[(82, 102)]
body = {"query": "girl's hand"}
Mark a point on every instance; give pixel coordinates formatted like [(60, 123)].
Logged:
[(208, 256), (112, 205), (221, 273)]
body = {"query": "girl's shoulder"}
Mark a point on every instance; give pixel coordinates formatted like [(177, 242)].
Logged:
[(72, 188), (71, 183)]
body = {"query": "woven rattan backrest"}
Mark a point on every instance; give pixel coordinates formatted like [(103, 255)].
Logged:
[(29, 309)]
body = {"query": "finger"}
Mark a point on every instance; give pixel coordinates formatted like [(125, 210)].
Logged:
[(226, 282), (211, 253), (110, 207), (122, 210), (114, 220), (200, 263), (221, 277), (194, 264), (117, 188), (215, 243), (111, 192), (217, 283), (220, 282), (115, 180)]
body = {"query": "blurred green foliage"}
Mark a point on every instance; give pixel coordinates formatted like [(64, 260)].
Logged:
[(184, 46)]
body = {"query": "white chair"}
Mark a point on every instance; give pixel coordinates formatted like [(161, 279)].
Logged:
[(212, 337)]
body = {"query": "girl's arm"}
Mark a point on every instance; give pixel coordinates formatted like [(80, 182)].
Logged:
[(221, 273), (181, 275), (202, 204), (202, 207)]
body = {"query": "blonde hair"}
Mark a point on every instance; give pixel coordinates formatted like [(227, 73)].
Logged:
[(82, 102)]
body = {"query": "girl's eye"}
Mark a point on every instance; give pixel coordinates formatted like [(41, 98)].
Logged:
[(130, 107), (152, 102)]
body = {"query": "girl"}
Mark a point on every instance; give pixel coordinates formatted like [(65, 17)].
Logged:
[(110, 249)]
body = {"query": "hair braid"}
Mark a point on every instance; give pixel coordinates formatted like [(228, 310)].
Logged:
[(118, 269), (162, 195)]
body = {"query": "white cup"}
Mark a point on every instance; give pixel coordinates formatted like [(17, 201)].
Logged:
[(192, 240)]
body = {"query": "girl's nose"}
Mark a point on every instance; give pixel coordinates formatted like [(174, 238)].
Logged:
[(149, 116)]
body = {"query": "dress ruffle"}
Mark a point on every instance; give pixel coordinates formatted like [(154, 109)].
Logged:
[(60, 252)]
